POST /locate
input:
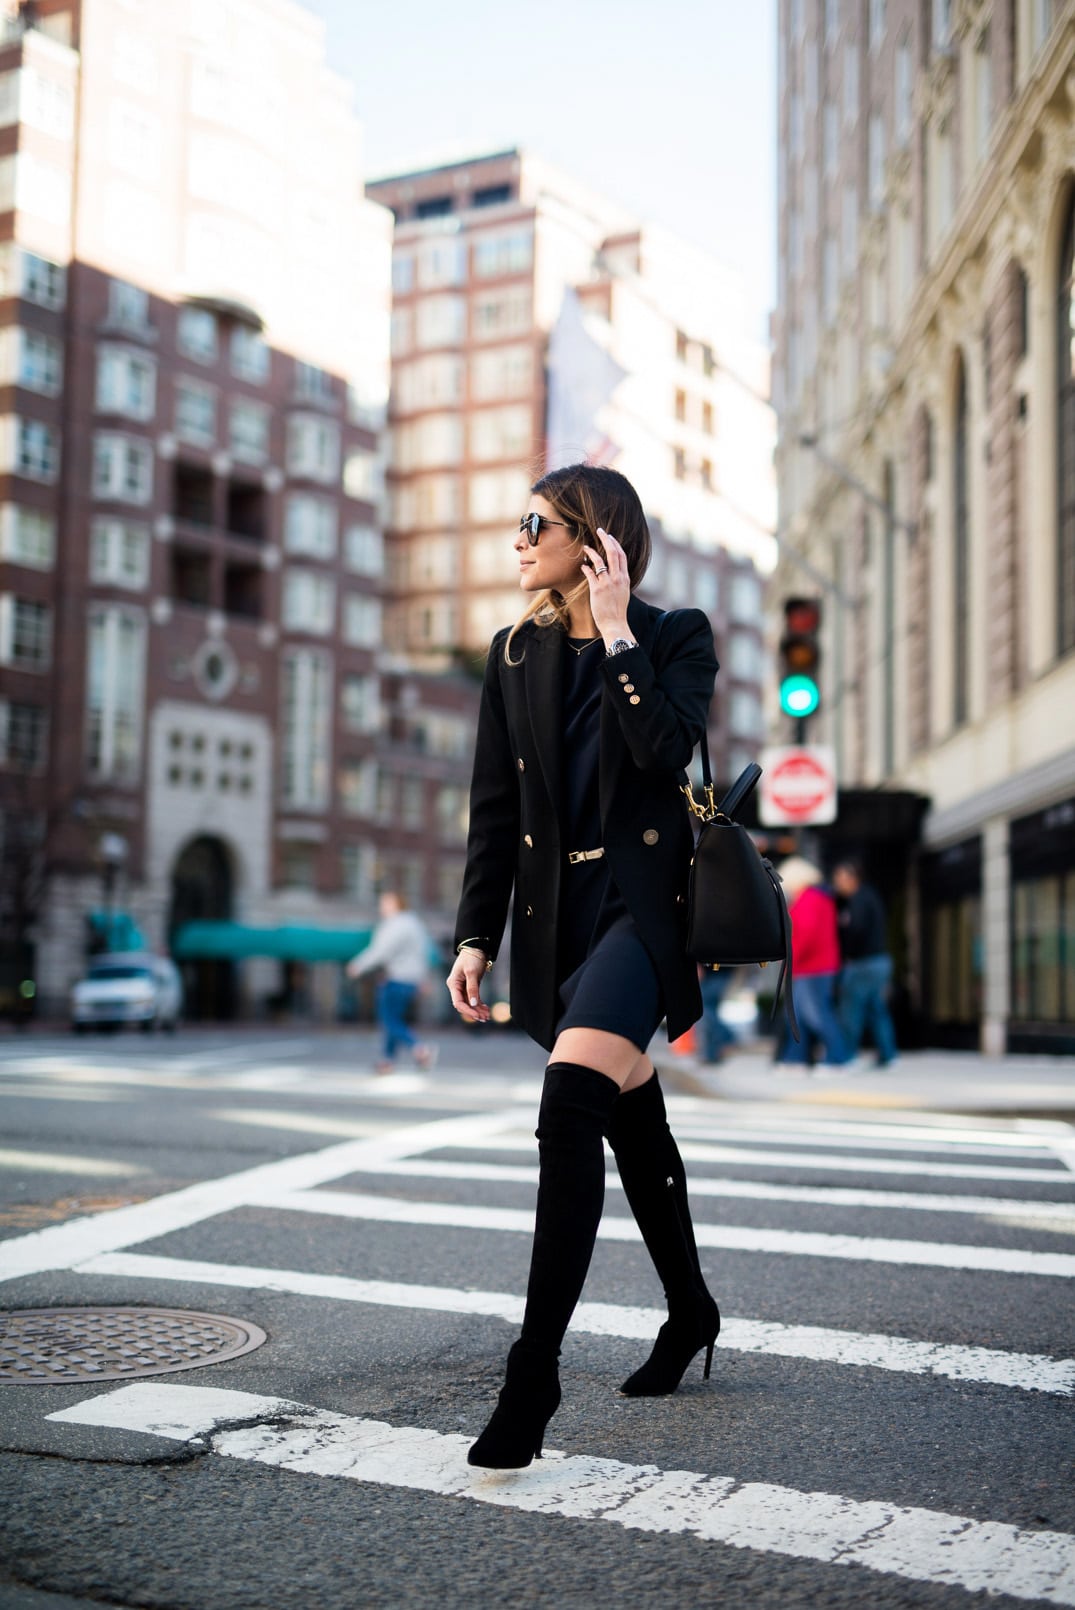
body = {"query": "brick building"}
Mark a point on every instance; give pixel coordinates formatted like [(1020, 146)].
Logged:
[(925, 382), (196, 721)]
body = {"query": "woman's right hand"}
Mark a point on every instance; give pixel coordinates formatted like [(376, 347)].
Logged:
[(464, 986)]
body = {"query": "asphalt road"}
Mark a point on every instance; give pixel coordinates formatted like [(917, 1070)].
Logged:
[(889, 1420)]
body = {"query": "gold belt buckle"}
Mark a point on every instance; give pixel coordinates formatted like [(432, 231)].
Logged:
[(574, 857)]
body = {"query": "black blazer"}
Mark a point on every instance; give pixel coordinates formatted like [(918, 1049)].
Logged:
[(653, 712)]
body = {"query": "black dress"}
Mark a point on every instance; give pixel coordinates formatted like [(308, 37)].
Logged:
[(606, 976)]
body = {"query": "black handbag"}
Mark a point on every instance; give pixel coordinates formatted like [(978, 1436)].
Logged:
[(736, 911)]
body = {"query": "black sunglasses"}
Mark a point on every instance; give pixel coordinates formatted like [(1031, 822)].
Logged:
[(533, 524)]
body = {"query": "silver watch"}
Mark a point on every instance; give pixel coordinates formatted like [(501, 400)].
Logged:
[(619, 645)]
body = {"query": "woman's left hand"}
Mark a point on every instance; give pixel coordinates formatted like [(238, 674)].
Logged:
[(610, 587)]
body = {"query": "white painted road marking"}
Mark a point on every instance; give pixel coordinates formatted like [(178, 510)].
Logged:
[(1056, 1213), (1032, 1372), (63, 1245), (65, 1163), (727, 1238), (768, 1157), (918, 1545)]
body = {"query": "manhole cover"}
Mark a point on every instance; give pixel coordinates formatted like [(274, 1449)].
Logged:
[(108, 1344)]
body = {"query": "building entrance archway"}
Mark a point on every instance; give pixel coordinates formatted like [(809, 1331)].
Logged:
[(203, 885)]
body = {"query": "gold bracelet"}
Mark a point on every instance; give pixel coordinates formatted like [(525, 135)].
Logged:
[(474, 951)]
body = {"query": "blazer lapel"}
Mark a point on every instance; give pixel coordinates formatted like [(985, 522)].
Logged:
[(643, 623), (543, 671)]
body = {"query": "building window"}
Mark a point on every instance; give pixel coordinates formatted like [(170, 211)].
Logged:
[(361, 621), (830, 138), (412, 803), (500, 313), (27, 537), (904, 98), (363, 550), (360, 703), (119, 553), (502, 432), (1065, 419), (942, 24), (23, 735), (122, 468), (128, 307), (126, 383), (363, 476), (248, 432), (358, 787), (435, 207), (876, 159), (440, 321), (42, 281), (115, 670), (498, 494), (832, 21), (310, 525), (248, 354), (25, 633), (501, 372), (35, 449), (306, 742), (197, 334), (298, 866), (431, 382), (983, 93), (309, 602), (40, 362), (877, 23), (313, 448), (358, 872), (402, 272), (195, 413), (851, 83), (961, 554), (452, 814), (313, 384), (508, 253), (442, 261)]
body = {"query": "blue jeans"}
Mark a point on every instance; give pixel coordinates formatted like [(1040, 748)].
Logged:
[(863, 1004), (393, 1003), (715, 1032), (815, 1007)]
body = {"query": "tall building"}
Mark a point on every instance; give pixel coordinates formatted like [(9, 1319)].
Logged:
[(925, 382), (534, 324), (194, 333)]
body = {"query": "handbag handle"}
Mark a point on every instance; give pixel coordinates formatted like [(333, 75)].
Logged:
[(740, 790)]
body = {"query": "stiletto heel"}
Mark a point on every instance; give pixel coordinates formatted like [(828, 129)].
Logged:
[(528, 1400), (678, 1340)]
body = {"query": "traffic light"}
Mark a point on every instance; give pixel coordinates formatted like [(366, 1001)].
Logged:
[(800, 657)]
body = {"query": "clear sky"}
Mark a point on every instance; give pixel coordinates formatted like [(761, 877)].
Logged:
[(666, 106)]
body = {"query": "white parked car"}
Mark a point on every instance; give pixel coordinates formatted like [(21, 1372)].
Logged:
[(128, 987)]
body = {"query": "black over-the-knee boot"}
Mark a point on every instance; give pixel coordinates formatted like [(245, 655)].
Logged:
[(575, 1105), (655, 1183)]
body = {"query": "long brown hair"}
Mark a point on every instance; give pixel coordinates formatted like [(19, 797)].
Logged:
[(587, 496)]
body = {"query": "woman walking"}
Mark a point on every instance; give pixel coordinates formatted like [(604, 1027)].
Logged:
[(592, 703)]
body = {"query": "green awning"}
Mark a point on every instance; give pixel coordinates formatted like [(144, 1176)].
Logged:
[(291, 942)]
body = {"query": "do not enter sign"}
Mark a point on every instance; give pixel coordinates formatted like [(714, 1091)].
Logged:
[(798, 786)]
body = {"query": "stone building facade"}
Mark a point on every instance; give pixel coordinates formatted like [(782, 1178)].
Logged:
[(925, 381)]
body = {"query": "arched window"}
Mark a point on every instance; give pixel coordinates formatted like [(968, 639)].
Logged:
[(1065, 445), (960, 555)]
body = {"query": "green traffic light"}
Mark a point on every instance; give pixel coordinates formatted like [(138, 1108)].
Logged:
[(799, 696)]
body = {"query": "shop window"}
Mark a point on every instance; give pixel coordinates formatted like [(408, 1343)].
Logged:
[(961, 555), (1065, 421)]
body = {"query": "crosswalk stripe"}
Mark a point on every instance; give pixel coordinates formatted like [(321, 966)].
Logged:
[(1031, 1372), (769, 1157), (1059, 1214), (914, 1544), (729, 1238)]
